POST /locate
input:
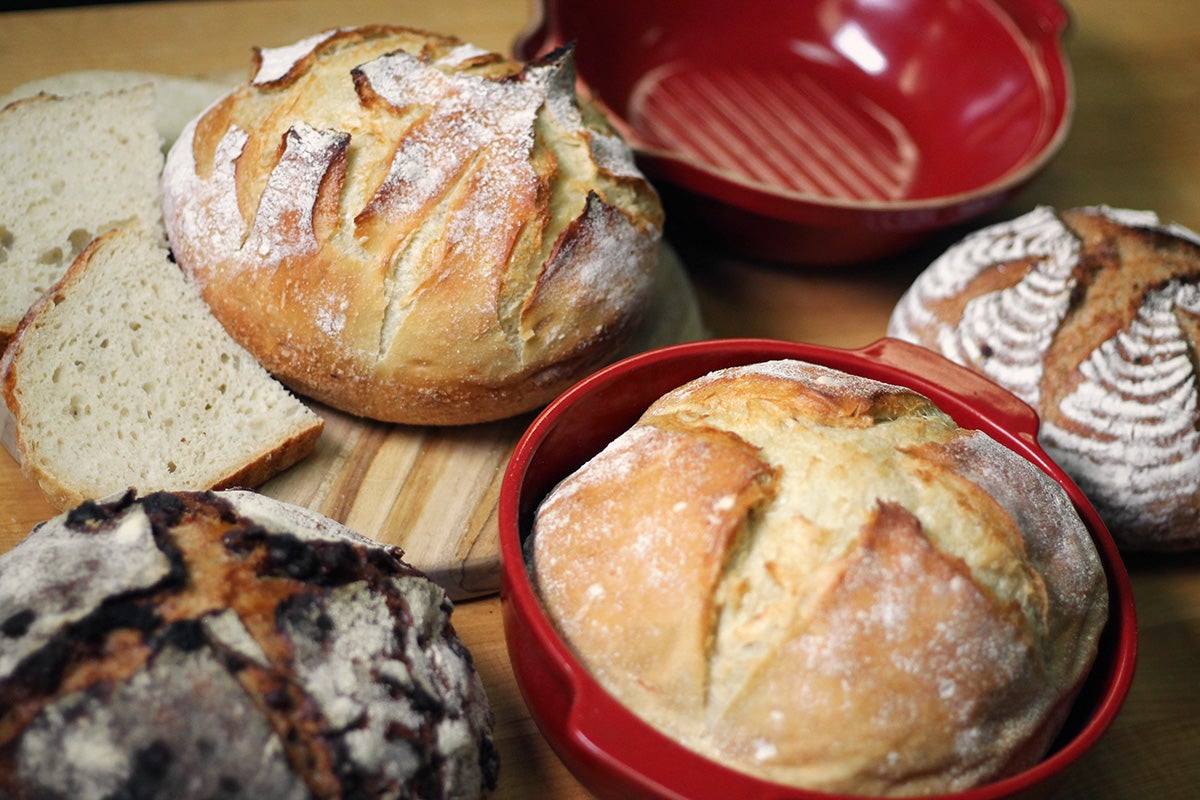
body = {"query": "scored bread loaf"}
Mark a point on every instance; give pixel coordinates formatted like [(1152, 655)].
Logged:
[(408, 228), (192, 646), (1092, 316), (72, 168), (120, 377), (819, 579)]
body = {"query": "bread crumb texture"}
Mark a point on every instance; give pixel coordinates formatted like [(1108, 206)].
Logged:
[(1092, 316), (121, 377), (409, 228), (820, 579), (226, 645), (72, 168)]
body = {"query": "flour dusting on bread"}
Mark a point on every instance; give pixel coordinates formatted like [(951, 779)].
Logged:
[(201, 645), (407, 227), (1090, 315)]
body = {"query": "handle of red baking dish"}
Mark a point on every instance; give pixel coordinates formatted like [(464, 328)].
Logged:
[(972, 399), (1039, 20)]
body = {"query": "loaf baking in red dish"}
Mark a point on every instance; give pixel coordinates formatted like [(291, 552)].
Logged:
[(225, 645), (1092, 316), (408, 228), (821, 580)]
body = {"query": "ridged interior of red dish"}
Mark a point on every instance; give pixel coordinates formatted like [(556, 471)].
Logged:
[(862, 100)]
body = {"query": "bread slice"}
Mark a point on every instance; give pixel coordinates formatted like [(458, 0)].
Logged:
[(120, 377), (177, 98), (72, 168)]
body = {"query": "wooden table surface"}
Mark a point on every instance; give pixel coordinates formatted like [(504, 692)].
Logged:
[(1135, 142)]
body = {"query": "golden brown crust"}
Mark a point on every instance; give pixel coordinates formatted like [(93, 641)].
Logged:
[(821, 580), (408, 228), (662, 553)]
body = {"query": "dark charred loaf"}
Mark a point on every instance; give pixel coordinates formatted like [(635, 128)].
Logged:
[(226, 645)]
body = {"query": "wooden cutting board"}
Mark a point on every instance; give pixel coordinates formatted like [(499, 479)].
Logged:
[(434, 491)]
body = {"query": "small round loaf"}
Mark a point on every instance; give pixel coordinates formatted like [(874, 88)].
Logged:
[(225, 645), (819, 579), (408, 228), (1092, 316)]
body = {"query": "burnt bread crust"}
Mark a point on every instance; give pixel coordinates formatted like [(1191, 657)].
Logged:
[(1092, 316), (199, 645), (408, 228)]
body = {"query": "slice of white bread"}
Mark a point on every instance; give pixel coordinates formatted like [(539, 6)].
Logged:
[(177, 98), (72, 168), (120, 377)]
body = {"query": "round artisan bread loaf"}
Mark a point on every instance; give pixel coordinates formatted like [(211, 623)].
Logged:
[(408, 228), (193, 646), (1092, 316), (821, 580)]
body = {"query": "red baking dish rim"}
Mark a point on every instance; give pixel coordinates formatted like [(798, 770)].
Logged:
[(1036, 27), (600, 740)]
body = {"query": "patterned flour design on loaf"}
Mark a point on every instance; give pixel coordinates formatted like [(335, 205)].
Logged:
[(1090, 316), (200, 645), (1139, 386), (410, 228), (1002, 334), (820, 579)]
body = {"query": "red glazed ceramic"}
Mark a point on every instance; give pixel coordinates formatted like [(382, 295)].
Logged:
[(616, 755), (826, 131)]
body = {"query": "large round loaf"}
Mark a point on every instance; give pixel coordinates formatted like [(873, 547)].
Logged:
[(821, 580), (225, 645), (408, 228), (1092, 316)]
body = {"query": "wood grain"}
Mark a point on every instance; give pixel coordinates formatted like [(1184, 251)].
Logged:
[(1133, 143)]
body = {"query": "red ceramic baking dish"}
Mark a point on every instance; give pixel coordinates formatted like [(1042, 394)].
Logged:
[(826, 131), (612, 752)]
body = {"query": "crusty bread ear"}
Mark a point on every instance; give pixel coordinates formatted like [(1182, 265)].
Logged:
[(120, 377), (72, 168)]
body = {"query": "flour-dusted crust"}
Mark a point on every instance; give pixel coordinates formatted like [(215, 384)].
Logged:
[(821, 580), (1092, 316), (192, 645), (408, 228)]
